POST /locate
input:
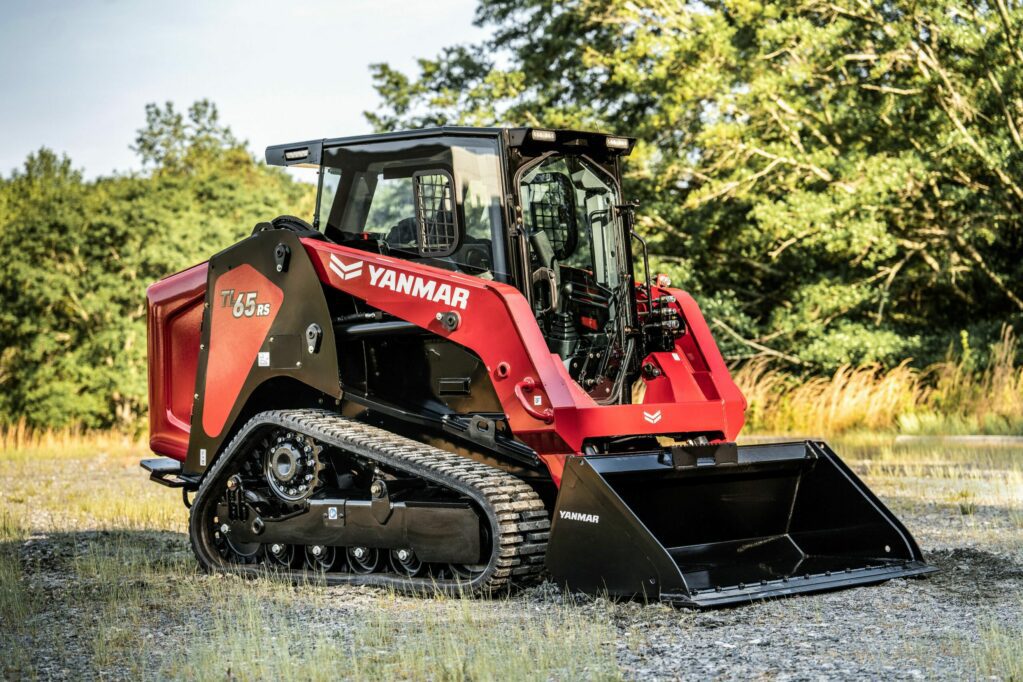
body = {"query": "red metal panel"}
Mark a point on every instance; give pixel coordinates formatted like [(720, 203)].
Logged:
[(244, 305), (174, 320), (544, 406)]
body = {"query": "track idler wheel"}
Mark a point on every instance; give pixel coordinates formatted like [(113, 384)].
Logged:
[(363, 559), (321, 558), (405, 562), (281, 555)]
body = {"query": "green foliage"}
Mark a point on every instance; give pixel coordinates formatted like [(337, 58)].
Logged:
[(80, 255), (836, 181)]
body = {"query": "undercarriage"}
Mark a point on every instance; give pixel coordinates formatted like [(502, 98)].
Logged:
[(318, 496)]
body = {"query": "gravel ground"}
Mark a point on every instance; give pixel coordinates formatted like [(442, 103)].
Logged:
[(927, 628), (903, 629)]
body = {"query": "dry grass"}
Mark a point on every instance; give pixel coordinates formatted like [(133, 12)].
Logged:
[(115, 591), (112, 590), (1000, 654), (954, 396), (865, 397), (19, 438)]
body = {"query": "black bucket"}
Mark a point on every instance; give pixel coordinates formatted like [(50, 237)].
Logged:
[(714, 525)]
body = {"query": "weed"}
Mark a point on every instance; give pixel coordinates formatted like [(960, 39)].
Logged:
[(1000, 654)]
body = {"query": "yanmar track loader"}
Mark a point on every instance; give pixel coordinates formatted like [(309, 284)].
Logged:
[(453, 378)]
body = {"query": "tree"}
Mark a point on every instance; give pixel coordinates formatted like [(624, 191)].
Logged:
[(81, 254), (837, 181)]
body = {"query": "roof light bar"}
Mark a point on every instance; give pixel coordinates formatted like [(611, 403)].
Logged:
[(296, 154), (618, 142), (543, 135)]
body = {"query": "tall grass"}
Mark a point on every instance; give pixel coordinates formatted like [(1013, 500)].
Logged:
[(954, 396), (949, 397), (19, 436)]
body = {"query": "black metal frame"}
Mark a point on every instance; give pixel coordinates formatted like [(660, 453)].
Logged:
[(437, 235), (314, 383)]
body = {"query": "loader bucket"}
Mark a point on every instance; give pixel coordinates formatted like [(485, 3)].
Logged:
[(714, 525)]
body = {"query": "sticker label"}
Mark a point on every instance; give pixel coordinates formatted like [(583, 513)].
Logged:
[(414, 285), (537, 400), (202, 457), (578, 516), (345, 271), (243, 303), (652, 417), (332, 513), (677, 358), (263, 358)]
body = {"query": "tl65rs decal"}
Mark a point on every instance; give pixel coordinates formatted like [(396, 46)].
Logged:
[(243, 303)]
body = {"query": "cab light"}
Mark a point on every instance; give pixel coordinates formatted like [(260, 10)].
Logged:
[(296, 154), (618, 142), (543, 135)]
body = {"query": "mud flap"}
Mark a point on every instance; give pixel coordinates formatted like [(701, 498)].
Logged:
[(720, 525)]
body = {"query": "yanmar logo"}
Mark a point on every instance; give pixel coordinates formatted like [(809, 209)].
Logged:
[(652, 417), (578, 516), (345, 271), (414, 285)]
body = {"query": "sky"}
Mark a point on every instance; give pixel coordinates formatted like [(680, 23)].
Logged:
[(76, 75)]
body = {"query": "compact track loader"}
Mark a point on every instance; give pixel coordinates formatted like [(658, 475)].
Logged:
[(454, 379)]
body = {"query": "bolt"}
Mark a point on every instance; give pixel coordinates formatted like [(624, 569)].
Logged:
[(308, 477), (276, 549), (317, 550), (440, 316), (280, 268), (195, 396), (225, 529), (302, 488), (359, 552), (298, 364), (403, 555), (308, 448), (377, 489)]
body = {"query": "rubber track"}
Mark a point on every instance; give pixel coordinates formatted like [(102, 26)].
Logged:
[(519, 522)]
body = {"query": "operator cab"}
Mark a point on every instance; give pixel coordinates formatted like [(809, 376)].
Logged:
[(540, 210)]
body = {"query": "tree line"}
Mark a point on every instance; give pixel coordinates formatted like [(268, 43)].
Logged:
[(837, 182), (80, 254)]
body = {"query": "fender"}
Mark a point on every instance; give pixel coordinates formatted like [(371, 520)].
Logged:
[(262, 294)]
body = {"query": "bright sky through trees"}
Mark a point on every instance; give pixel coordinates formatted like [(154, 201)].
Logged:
[(76, 76)]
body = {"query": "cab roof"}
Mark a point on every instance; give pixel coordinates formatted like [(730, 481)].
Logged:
[(528, 140)]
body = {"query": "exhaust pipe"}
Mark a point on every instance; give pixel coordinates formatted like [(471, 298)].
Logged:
[(714, 525)]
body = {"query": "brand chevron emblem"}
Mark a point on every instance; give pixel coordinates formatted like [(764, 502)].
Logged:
[(652, 417), (345, 271)]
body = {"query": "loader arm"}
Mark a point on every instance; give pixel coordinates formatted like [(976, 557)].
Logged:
[(545, 408)]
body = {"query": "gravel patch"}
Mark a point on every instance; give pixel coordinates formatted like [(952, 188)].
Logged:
[(906, 629)]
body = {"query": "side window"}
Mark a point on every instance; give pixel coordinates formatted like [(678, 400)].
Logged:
[(390, 210), (435, 213)]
